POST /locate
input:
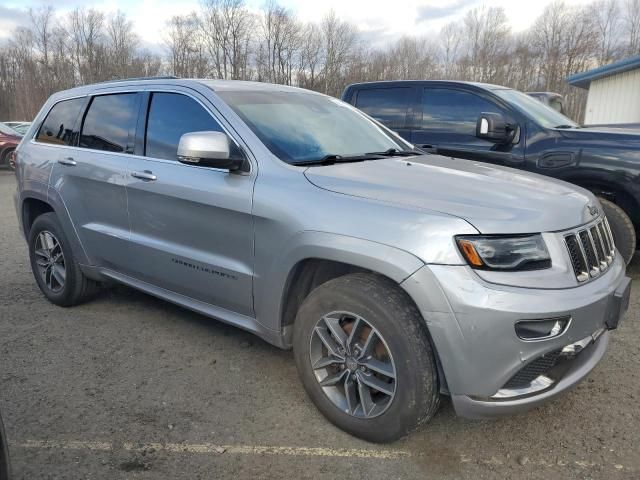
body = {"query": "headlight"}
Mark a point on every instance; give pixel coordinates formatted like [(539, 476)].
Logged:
[(493, 252)]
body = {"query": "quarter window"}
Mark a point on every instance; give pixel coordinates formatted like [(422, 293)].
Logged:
[(387, 105), (109, 124), (58, 127), (171, 115), (453, 111)]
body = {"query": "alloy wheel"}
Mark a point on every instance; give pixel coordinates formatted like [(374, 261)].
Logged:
[(50, 261), (353, 364)]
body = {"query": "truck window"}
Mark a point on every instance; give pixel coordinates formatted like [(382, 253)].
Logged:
[(454, 111), (109, 121), (387, 105), (57, 128)]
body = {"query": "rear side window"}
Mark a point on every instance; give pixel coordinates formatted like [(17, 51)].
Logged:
[(453, 111), (171, 115), (109, 124), (58, 127), (387, 105)]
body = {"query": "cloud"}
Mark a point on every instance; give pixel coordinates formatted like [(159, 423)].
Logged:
[(436, 12), (10, 19)]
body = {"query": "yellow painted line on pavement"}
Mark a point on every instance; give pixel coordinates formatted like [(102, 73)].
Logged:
[(66, 445), (210, 448)]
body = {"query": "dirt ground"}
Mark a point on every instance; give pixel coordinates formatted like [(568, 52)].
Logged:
[(128, 386)]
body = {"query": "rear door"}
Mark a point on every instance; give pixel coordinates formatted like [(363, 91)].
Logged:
[(191, 226), (447, 123), (391, 106), (90, 176)]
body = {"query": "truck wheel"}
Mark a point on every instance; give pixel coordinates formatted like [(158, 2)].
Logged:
[(55, 269), (624, 233), (365, 359)]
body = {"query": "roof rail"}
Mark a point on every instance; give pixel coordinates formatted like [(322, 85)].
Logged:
[(161, 77)]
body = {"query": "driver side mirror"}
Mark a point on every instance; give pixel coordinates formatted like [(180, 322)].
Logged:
[(494, 128), (209, 149)]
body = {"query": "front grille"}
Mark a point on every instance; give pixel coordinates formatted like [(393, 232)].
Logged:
[(533, 370), (591, 250)]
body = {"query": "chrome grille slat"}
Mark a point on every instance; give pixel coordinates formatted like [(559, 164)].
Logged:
[(591, 249)]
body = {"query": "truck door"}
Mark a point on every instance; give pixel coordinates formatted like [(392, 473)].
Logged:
[(446, 122)]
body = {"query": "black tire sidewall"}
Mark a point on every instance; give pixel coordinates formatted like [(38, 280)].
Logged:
[(414, 363), (49, 222), (622, 228)]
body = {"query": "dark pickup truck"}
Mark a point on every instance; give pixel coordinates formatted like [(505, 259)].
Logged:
[(495, 124)]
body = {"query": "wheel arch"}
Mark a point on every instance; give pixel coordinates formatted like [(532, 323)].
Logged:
[(34, 203)]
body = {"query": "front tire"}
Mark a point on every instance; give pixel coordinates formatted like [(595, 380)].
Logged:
[(54, 267), (364, 357), (622, 229)]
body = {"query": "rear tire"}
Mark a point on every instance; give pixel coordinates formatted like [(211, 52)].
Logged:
[(54, 267), (624, 233), (400, 342)]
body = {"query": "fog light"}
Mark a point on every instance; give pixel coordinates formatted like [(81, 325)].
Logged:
[(543, 329)]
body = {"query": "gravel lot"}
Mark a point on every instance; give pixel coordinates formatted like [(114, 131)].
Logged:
[(128, 386)]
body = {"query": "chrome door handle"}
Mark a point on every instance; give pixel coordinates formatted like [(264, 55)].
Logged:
[(146, 175), (70, 162)]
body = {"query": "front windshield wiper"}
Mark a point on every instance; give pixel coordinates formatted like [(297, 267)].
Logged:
[(566, 126), (394, 152), (333, 158)]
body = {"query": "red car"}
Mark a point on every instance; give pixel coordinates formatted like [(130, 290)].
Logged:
[(9, 140)]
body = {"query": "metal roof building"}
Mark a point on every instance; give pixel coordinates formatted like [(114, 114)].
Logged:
[(614, 92)]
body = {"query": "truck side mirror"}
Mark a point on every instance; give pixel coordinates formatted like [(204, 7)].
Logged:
[(493, 127)]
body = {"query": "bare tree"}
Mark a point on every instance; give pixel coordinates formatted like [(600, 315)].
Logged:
[(338, 41), (632, 26), (606, 17), (227, 29), (187, 51)]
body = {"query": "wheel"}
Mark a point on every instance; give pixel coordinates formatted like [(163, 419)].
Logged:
[(364, 357), (624, 233), (53, 264), (6, 156)]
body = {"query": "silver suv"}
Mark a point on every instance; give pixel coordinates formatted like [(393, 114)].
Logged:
[(395, 276)]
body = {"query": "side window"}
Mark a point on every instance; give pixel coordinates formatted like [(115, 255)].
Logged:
[(453, 111), (171, 115), (58, 127), (109, 123), (387, 105)]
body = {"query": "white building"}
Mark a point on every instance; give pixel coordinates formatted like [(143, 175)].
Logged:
[(614, 92)]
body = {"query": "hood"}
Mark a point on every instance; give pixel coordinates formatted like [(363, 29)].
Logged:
[(618, 137), (493, 199)]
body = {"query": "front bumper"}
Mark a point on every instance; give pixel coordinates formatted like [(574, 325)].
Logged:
[(472, 324)]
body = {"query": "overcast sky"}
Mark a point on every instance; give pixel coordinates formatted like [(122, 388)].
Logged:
[(389, 19)]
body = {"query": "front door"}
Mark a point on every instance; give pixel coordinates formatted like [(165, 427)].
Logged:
[(447, 124), (191, 226)]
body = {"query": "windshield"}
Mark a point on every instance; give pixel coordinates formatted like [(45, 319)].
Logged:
[(545, 116), (305, 127)]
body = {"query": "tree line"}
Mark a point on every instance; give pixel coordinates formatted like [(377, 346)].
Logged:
[(226, 39)]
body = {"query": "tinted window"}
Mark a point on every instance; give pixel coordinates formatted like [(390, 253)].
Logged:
[(454, 111), (57, 128), (171, 115), (109, 123), (387, 105)]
